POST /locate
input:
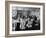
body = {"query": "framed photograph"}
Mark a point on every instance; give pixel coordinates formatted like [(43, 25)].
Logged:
[(24, 18)]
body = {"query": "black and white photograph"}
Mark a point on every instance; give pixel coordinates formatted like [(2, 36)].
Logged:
[(25, 18)]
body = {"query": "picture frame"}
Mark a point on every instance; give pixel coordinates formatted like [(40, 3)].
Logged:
[(40, 7)]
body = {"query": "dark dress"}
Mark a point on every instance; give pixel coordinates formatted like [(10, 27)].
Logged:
[(18, 27)]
